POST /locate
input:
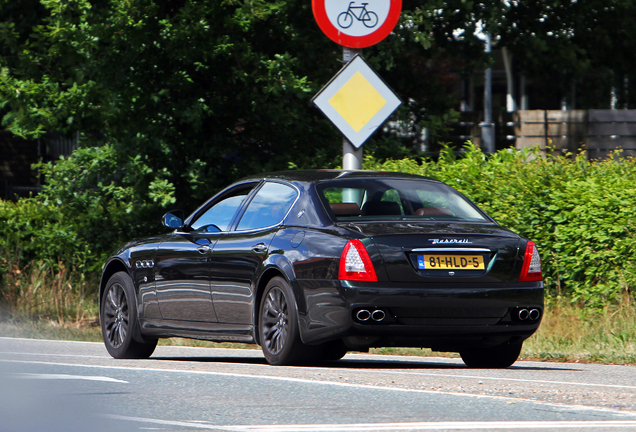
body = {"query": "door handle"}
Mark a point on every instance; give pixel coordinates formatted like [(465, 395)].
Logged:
[(203, 249), (261, 247)]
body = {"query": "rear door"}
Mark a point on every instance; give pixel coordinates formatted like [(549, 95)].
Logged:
[(238, 255)]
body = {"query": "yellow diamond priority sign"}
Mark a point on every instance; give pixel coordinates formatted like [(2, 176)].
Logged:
[(357, 101)]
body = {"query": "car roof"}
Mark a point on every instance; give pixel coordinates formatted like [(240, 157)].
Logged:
[(312, 176)]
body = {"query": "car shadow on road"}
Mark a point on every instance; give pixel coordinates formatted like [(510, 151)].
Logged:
[(425, 364), (234, 360), (345, 363)]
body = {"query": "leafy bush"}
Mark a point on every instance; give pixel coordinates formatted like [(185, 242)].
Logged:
[(92, 202), (578, 212), (52, 246)]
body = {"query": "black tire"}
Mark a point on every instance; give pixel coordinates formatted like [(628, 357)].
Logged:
[(118, 317), (278, 325), (500, 356), (332, 351)]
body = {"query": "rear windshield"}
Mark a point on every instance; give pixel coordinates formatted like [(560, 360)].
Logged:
[(392, 199)]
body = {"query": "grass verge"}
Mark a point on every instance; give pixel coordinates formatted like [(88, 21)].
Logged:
[(574, 333)]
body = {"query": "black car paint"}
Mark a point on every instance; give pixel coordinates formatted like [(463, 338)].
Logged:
[(305, 250)]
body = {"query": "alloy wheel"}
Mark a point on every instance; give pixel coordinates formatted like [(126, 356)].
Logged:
[(116, 315), (275, 321)]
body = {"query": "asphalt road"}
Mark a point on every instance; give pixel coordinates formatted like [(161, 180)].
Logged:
[(77, 386)]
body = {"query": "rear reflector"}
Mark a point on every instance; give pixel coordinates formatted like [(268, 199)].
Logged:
[(355, 264), (531, 270)]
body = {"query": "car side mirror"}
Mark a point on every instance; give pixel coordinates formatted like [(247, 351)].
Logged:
[(173, 219)]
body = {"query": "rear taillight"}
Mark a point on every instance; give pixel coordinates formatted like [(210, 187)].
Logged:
[(531, 270), (355, 264)]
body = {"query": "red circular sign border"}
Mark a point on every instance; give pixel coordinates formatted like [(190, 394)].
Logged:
[(340, 38)]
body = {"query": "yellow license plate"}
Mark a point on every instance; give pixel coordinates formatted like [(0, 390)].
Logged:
[(451, 262)]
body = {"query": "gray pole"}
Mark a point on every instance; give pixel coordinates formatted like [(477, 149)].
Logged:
[(511, 102), (351, 156), (488, 127)]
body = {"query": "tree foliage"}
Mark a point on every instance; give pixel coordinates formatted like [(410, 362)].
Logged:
[(92, 202), (214, 89), (209, 90), (570, 44)]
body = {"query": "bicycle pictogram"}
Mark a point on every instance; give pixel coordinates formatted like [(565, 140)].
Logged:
[(360, 13)]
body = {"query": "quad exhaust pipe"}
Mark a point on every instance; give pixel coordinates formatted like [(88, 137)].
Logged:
[(376, 315), (363, 315), (534, 314), (528, 314)]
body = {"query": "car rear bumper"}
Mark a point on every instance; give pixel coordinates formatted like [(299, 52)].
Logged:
[(443, 318)]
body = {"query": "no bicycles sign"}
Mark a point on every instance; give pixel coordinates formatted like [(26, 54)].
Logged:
[(358, 23)]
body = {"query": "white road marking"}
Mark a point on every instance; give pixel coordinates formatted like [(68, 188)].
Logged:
[(329, 383), (574, 383), (419, 426), (68, 377), (46, 340), (54, 355), (423, 426), (339, 370)]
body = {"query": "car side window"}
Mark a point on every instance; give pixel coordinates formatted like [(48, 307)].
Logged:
[(269, 206), (220, 215)]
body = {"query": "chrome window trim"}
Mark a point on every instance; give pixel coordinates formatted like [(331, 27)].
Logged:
[(291, 185)]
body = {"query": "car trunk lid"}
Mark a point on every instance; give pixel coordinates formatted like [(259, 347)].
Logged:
[(425, 252)]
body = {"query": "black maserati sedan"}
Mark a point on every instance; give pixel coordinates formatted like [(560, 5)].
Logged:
[(312, 264)]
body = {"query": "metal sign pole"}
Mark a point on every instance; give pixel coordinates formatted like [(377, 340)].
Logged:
[(488, 127), (351, 156)]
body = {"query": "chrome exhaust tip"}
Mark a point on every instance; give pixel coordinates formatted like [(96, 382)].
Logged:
[(523, 314), (534, 314), (363, 315), (378, 315)]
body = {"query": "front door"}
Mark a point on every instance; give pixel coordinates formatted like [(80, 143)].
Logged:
[(182, 273), (182, 264)]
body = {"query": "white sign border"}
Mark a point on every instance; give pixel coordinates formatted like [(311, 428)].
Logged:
[(321, 100)]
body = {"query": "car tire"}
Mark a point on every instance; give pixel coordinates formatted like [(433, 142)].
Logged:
[(278, 325), (500, 356), (118, 317), (332, 351)]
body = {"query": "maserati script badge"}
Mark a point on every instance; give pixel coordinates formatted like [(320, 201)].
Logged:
[(449, 241)]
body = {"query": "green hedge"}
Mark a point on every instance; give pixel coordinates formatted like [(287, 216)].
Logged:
[(92, 202), (580, 213)]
